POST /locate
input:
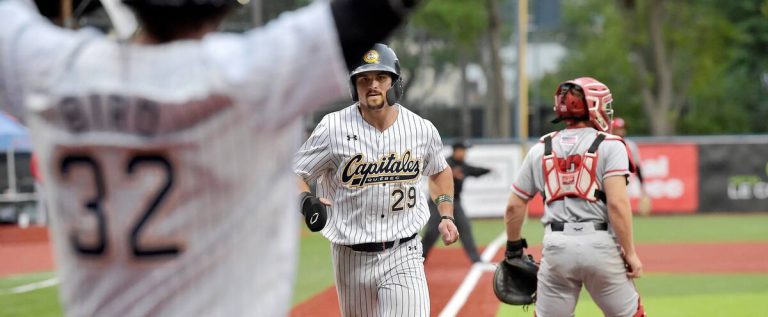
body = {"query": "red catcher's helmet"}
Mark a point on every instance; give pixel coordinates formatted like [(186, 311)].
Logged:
[(584, 98)]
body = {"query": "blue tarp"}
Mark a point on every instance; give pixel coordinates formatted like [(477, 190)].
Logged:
[(13, 135)]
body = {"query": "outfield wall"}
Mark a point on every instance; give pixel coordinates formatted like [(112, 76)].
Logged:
[(682, 175)]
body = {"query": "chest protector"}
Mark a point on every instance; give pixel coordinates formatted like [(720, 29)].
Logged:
[(572, 176)]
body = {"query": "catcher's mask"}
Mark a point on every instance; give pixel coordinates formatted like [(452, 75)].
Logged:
[(584, 98), (379, 58)]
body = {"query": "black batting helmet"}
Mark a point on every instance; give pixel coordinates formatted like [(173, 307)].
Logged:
[(379, 58)]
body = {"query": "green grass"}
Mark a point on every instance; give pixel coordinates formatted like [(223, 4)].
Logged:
[(687, 296), (664, 295), (39, 303), (702, 228), (657, 229), (315, 267), (18, 280)]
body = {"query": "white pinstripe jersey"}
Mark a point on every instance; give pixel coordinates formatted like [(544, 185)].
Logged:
[(371, 177), (168, 168)]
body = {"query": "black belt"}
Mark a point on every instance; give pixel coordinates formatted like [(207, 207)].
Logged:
[(379, 246), (560, 226)]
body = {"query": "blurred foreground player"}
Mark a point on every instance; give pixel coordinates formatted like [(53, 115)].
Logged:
[(162, 197)]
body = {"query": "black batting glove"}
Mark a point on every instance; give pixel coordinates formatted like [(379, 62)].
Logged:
[(314, 211)]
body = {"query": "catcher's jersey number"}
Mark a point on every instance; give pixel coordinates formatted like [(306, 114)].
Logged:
[(95, 205)]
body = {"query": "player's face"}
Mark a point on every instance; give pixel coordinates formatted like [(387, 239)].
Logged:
[(372, 89), (459, 153)]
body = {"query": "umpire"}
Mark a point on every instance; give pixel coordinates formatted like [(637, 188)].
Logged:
[(460, 170)]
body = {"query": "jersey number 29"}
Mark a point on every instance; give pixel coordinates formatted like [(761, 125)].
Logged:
[(399, 195)]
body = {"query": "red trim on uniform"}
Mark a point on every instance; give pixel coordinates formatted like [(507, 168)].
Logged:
[(33, 168), (553, 134), (613, 171), (527, 195), (640, 310), (632, 166)]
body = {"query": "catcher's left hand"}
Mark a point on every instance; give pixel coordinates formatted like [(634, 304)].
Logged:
[(514, 281)]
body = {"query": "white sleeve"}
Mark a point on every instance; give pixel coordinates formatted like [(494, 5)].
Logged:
[(314, 156), (524, 185), (31, 50), (615, 157), (289, 67), (435, 161)]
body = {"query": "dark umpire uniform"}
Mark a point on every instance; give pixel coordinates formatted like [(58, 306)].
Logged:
[(460, 170)]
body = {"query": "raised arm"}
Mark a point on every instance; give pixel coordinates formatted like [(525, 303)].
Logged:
[(361, 24)]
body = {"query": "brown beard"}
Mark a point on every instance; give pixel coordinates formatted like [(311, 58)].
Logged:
[(376, 105)]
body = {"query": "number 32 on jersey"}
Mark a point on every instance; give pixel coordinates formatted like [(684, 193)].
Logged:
[(94, 183)]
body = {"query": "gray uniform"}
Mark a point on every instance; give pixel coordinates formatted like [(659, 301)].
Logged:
[(373, 179), (579, 255)]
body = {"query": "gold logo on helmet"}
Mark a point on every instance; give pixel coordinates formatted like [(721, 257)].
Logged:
[(372, 57)]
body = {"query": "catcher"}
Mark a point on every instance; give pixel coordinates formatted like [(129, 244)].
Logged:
[(581, 172)]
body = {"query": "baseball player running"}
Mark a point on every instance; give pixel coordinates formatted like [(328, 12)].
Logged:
[(163, 199), (581, 172), (368, 160)]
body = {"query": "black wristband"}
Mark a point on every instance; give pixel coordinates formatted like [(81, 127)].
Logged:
[(302, 197), (515, 248), (449, 218)]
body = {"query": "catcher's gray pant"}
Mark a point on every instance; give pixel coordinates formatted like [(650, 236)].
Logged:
[(582, 255), (387, 283)]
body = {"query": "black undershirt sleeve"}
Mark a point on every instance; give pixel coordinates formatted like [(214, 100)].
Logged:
[(639, 174), (363, 23)]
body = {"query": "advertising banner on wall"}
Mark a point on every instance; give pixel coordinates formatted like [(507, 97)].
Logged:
[(670, 173), (734, 177), (487, 195)]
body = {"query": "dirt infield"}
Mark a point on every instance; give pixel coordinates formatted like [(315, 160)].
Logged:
[(24, 251), (447, 267)]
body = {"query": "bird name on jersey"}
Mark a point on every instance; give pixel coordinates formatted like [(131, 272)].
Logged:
[(135, 115), (389, 168)]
